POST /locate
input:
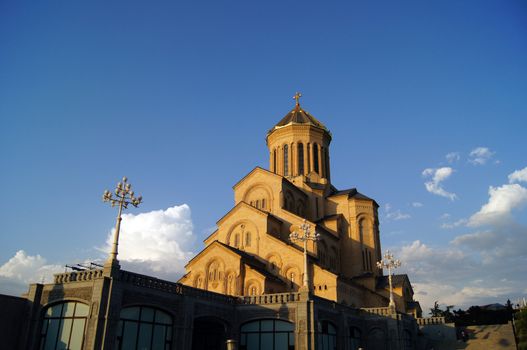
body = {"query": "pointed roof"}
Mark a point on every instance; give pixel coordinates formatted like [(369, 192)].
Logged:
[(299, 116)]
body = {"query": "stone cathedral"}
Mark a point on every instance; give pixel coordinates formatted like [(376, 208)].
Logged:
[(251, 253), (256, 285)]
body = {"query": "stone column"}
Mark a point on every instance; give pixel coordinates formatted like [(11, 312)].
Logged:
[(311, 165), (320, 165), (32, 327), (322, 161)]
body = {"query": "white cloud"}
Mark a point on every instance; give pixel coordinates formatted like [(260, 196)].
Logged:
[(479, 240), (502, 201), (437, 177), (480, 155), (450, 225), (417, 204), (452, 157), (395, 215), (445, 216), (22, 269), (159, 242), (518, 176)]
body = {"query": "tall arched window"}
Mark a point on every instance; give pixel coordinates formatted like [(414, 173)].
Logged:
[(267, 335), (247, 239), (63, 326), (236, 240), (315, 158), (327, 336), (142, 327), (286, 160), (300, 159), (274, 160), (355, 338)]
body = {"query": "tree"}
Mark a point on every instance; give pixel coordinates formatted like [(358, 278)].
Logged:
[(521, 329)]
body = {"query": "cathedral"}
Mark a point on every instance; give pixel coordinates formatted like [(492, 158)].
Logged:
[(295, 264), (251, 252)]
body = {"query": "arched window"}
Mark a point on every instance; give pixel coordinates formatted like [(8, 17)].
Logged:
[(142, 327), (63, 326), (286, 160), (247, 239), (292, 279), (267, 335), (315, 158), (236, 240), (274, 160), (355, 338), (327, 336), (300, 159)]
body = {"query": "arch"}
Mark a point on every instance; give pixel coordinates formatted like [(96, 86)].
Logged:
[(376, 339), (231, 280), (355, 338), (259, 191), (289, 201), (300, 155), (240, 227), (199, 281), (274, 161), (301, 207), (144, 326), (267, 334), (316, 164), (64, 325), (209, 333), (274, 263), (327, 336), (215, 273), (253, 287), (293, 276), (286, 160)]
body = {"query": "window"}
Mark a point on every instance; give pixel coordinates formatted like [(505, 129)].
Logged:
[(286, 160), (247, 239), (292, 279), (267, 335), (300, 159), (236, 240), (63, 326), (355, 338), (327, 336), (274, 160), (315, 157), (142, 327)]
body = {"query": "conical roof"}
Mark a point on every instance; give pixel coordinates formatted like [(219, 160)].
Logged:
[(299, 116)]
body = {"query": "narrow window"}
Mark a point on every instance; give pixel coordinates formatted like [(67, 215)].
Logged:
[(363, 261), (300, 159), (274, 160), (248, 239), (286, 160), (315, 157), (236, 240), (263, 203)]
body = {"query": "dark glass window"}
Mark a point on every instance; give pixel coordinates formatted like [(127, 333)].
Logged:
[(267, 335), (327, 336), (315, 158), (63, 326), (300, 159), (142, 327), (286, 160), (355, 338)]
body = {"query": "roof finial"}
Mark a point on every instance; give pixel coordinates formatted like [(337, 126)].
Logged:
[(297, 98)]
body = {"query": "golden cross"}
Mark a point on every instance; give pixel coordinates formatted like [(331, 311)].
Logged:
[(297, 98)]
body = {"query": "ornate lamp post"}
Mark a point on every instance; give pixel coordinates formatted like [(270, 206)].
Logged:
[(123, 196), (390, 263), (304, 237)]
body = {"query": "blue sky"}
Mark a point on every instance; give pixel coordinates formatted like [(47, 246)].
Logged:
[(179, 96)]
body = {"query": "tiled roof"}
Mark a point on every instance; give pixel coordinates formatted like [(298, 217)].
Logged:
[(299, 116)]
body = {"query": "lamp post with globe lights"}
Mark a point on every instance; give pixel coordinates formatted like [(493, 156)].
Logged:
[(304, 236), (390, 263), (123, 197)]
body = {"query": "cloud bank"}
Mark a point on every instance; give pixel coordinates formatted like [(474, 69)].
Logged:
[(157, 243)]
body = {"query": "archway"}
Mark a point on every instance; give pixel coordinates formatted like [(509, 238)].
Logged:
[(208, 334)]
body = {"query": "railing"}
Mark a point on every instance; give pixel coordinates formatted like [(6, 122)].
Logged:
[(77, 276), (430, 320), (381, 311), (279, 298)]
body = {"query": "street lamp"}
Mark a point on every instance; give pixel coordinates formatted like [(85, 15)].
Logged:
[(304, 237), (123, 196), (390, 263)]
